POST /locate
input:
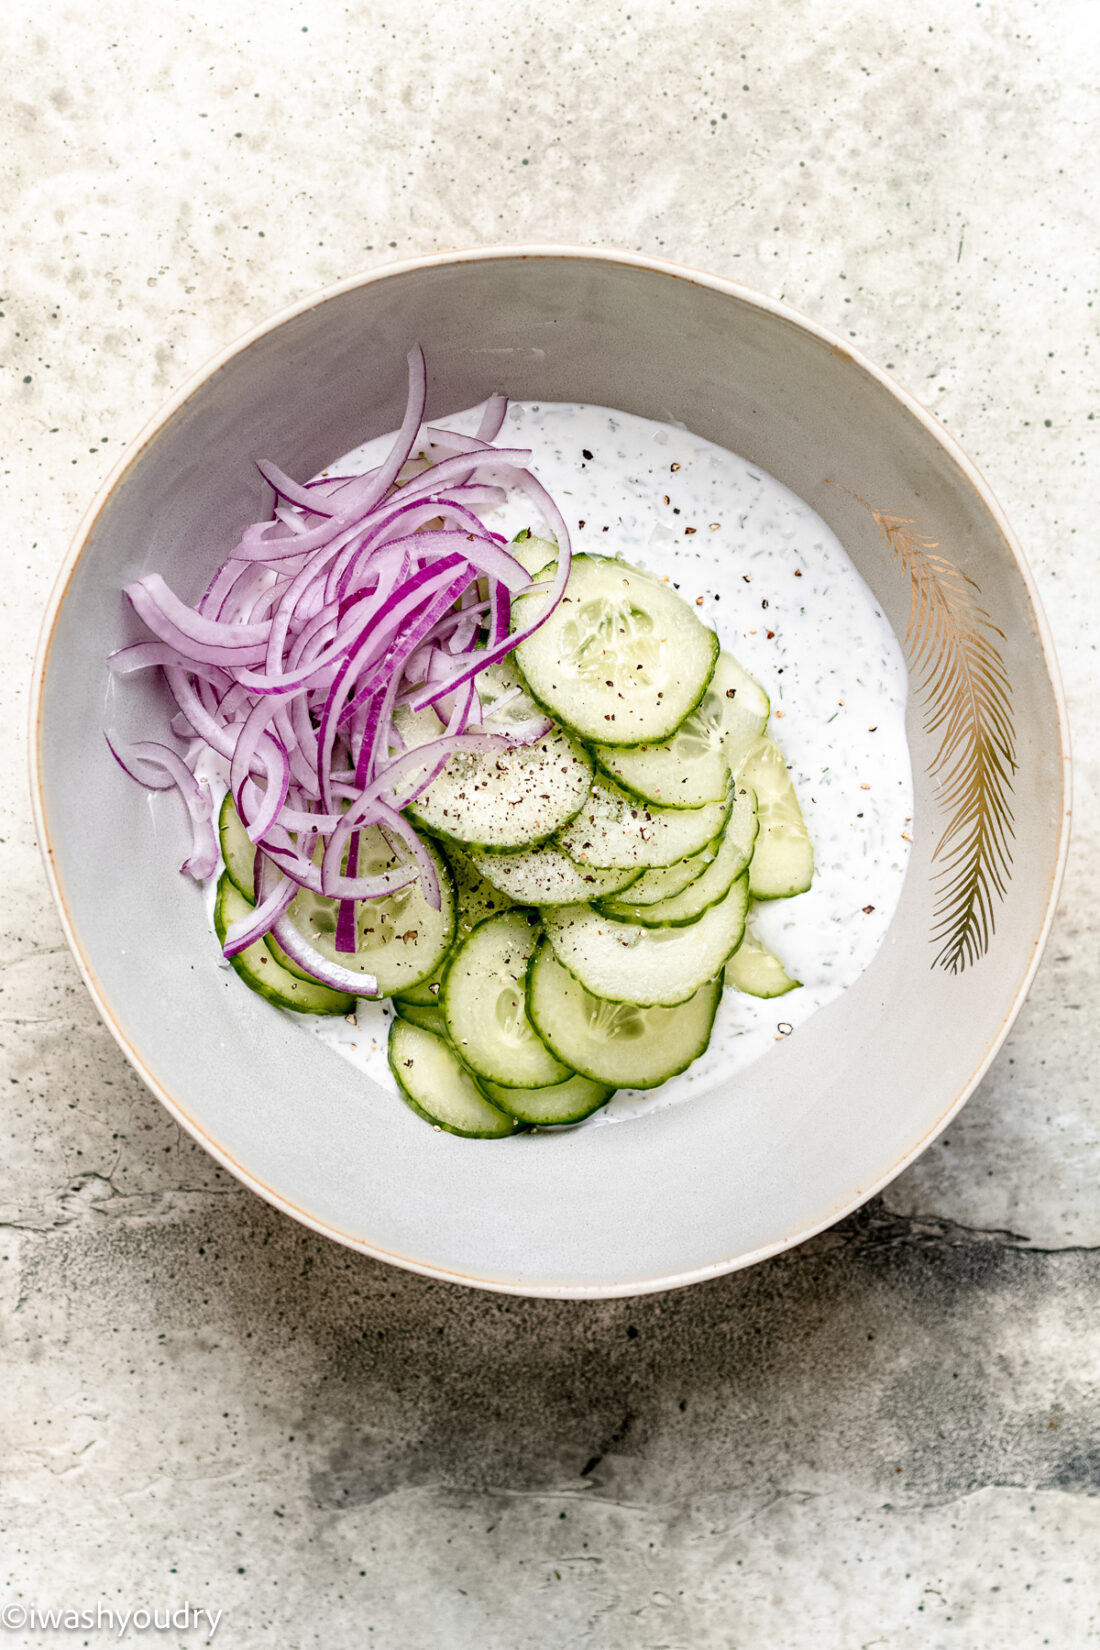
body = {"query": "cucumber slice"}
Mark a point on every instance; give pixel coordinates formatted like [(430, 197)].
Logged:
[(430, 1019), (476, 899), (258, 968), (714, 883), (756, 971), (483, 1001), (539, 556), (239, 856), (505, 701), (616, 1043), (693, 766), (617, 830), (627, 963), (402, 941), (424, 995), (672, 778), (567, 1102), (547, 876), (238, 853), (622, 659), (737, 706), (436, 1085), (783, 859), (665, 880), (500, 799)]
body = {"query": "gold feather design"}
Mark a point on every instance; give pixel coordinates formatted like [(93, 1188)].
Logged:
[(968, 699)]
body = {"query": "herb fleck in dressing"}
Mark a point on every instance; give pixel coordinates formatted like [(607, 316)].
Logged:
[(785, 599)]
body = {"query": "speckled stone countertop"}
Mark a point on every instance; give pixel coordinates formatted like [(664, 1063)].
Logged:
[(887, 1438)]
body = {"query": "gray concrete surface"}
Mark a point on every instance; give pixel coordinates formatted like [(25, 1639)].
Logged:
[(888, 1438)]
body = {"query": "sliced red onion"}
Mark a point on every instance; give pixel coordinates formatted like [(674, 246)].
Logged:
[(306, 874), (195, 792), (416, 629), (223, 581), (500, 608), (206, 726), (399, 826), (347, 926), (292, 491), (425, 761), (380, 482), (328, 973), (161, 780), (158, 605), (452, 471), (254, 744), (259, 921), (445, 583), (149, 655), (202, 861), (364, 592), (492, 419), (555, 590)]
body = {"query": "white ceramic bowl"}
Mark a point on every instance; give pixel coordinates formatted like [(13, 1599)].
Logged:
[(811, 1130)]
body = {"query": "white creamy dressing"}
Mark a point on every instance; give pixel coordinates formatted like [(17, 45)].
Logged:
[(785, 599)]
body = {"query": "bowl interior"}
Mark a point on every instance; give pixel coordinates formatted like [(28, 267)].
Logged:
[(806, 1133)]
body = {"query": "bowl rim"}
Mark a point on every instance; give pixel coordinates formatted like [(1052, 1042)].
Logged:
[(152, 427)]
